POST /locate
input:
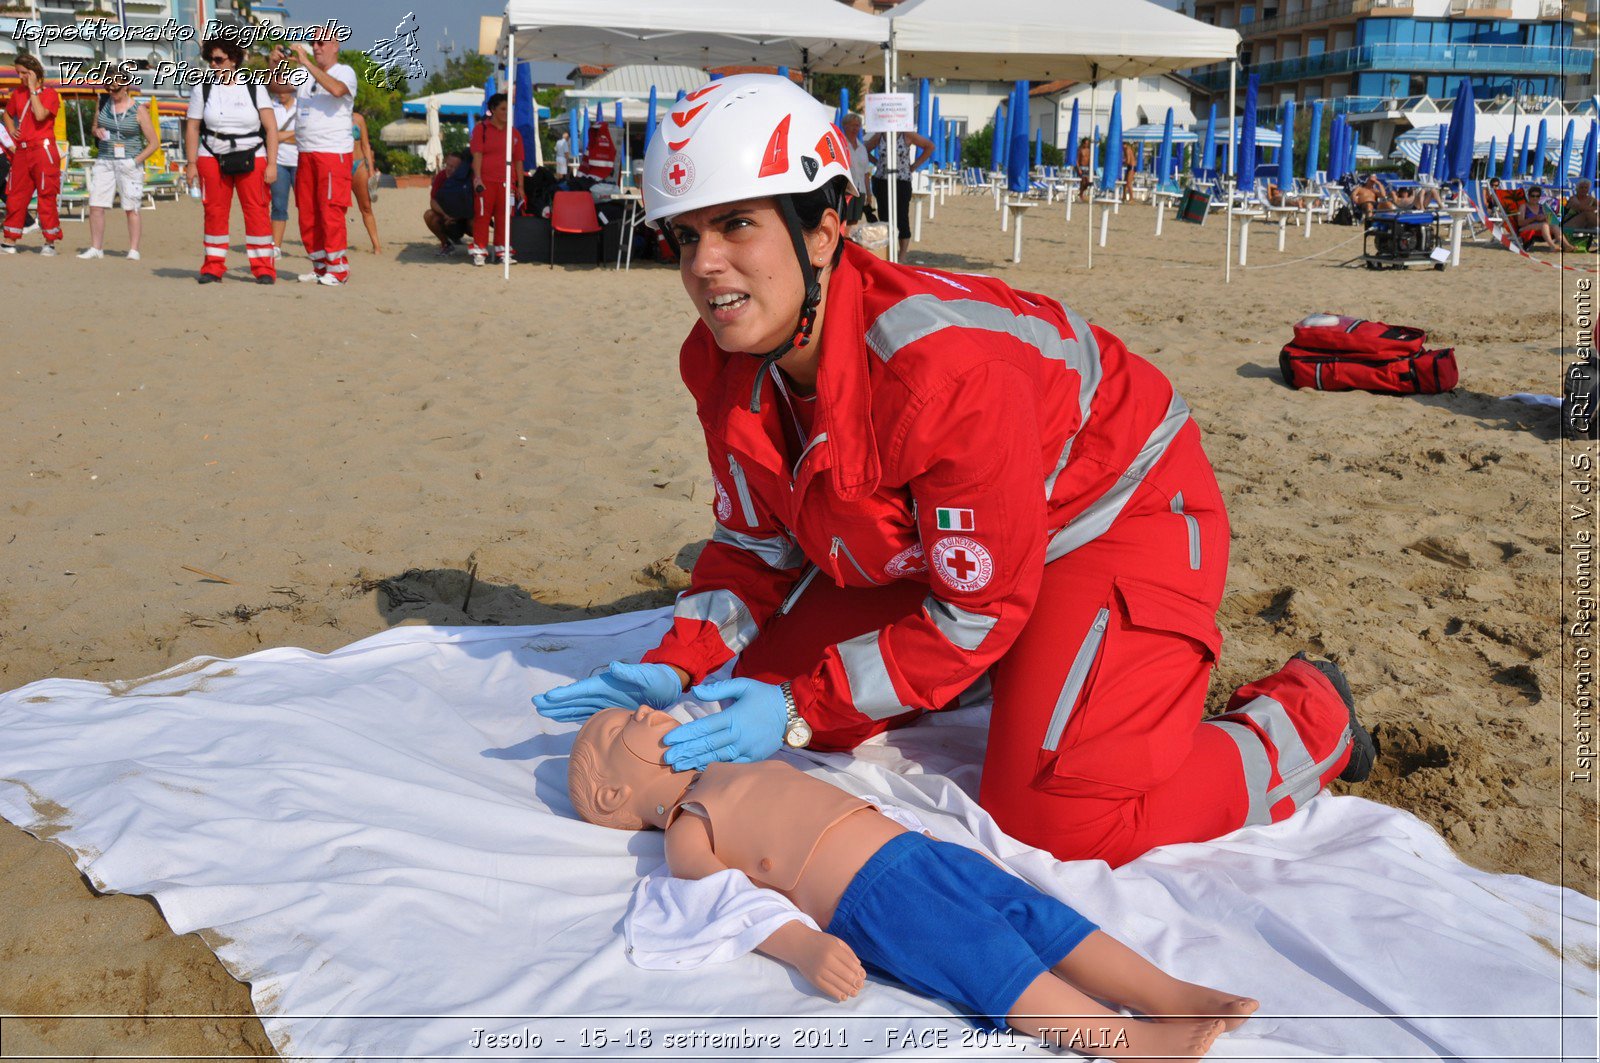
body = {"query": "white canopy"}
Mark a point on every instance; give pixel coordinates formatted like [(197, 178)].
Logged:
[(1003, 40), (803, 34)]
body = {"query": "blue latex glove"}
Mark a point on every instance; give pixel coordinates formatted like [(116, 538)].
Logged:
[(749, 729), (620, 686)]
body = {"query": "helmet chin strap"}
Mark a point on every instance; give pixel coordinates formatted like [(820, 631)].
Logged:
[(808, 308)]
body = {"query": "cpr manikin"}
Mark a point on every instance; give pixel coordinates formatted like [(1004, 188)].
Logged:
[(939, 917)]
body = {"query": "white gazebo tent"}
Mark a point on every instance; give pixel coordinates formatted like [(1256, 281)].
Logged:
[(1084, 40), (807, 35)]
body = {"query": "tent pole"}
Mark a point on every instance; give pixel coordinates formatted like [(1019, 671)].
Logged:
[(511, 112), (891, 186), (1094, 86), (1227, 250)]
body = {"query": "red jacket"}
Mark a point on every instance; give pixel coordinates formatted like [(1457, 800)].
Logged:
[(964, 434)]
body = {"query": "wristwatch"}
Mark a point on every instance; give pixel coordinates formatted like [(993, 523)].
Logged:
[(796, 732)]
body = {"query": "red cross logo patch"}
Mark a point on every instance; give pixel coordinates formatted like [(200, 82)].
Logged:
[(962, 563), (677, 174)]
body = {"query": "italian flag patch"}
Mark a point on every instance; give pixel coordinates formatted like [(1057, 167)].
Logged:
[(953, 519)]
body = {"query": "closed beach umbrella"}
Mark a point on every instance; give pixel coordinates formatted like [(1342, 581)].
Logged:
[(935, 133), (681, 94), (1522, 153), (1506, 163), (1494, 153), (1587, 173), (1038, 146), (1424, 162), (525, 115), (1286, 152), (1439, 151), (1541, 149), (1072, 137), (1245, 162), (844, 105), (650, 118), (1017, 154), (1208, 152), (158, 158), (924, 107), (1564, 165), (433, 150), (1459, 144), (1164, 152), (1314, 149), (1112, 173)]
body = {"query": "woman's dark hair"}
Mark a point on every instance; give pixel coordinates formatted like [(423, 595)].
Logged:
[(493, 101), (812, 205), (228, 48), (29, 61)]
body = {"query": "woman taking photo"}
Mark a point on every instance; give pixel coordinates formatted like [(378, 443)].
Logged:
[(928, 487), (231, 137), (127, 138)]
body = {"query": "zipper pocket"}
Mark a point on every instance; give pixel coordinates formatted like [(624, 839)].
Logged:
[(1076, 675), (742, 489), (838, 544), (799, 589), (1194, 532)]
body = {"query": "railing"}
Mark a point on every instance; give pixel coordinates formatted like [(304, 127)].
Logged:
[(1342, 9), (1418, 58)]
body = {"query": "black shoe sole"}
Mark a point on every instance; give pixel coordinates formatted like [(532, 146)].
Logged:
[(1363, 753)]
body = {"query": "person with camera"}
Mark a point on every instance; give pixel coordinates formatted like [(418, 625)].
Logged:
[(489, 177), (231, 138), (127, 138), (326, 91), (30, 119)]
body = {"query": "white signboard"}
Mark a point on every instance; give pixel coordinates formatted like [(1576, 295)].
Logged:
[(889, 112)]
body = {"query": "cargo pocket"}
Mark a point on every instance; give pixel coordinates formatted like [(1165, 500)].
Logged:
[(1093, 741)]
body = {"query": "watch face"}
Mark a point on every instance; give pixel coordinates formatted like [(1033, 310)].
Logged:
[(798, 735)]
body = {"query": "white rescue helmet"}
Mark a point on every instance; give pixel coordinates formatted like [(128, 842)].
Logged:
[(741, 137)]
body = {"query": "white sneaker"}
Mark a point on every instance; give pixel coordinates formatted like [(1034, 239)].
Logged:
[(329, 280), (8, 249), (309, 278), (91, 252), (48, 250), (477, 258), (133, 256)]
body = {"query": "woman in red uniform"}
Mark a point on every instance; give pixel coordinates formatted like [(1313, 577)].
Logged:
[(36, 161), (930, 488)]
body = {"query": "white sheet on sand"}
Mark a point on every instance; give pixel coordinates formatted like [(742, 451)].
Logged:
[(381, 842)]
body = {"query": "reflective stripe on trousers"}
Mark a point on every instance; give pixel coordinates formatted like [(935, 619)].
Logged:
[(1300, 778)]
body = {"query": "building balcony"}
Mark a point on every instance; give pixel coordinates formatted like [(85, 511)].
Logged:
[(1412, 58), (1350, 10)]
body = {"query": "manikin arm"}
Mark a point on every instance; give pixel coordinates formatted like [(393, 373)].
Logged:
[(826, 961)]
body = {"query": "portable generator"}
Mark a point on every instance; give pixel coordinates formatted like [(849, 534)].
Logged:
[(1395, 240)]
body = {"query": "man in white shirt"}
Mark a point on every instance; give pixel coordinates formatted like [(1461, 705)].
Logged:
[(563, 154), (326, 100)]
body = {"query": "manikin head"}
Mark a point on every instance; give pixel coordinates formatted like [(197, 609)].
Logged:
[(616, 777)]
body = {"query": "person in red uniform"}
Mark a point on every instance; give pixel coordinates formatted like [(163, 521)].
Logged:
[(952, 489), (488, 146), (36, 161)]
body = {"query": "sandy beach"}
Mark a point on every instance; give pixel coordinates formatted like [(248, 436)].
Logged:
[(342, 459)]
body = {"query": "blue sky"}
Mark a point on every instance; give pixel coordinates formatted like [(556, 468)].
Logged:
[(375, 20)]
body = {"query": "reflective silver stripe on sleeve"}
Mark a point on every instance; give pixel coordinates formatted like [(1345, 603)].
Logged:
[(778, 552), (871, 690), (724, 611), (1087, 363), (1257, 772), (1194, 532), (962, 628), (1103, 511)]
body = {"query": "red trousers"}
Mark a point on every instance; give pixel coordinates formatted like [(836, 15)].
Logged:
[(217, 190), (1097, 749), (34, 168), (488, 205), (322, 196)]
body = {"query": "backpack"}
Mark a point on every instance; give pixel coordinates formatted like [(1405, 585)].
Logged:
[(1343, 216), (1333, 353), (455, 194), (233, 162)]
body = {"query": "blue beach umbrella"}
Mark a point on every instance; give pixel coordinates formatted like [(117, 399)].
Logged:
[(1494, 153), (1017, 151), (617, 116), (1072, 136), (524, 113), (1314, 149), (1459, 143), (1541, 150), (1439, 151), (924, 107), (1507, 162), (681, 94), (844, 107), (935, 132), (1587, 173), (1245, 160), (650, 118), (998, 137), (1522, 153), (1564, 165), (1112, 173), (1208, 150), (1335, 131), (1038, 147), (599, 113), (1425, 161), (783, 72), (1286, 152), (1164, 152)]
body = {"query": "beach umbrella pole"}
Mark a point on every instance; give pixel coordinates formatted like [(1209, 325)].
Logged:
[(890, 159), (1227, 247), (1094, 87), (511, 110)]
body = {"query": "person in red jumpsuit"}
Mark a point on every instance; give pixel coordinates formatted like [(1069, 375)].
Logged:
[(488, 148), (36, 160), (932, 488)]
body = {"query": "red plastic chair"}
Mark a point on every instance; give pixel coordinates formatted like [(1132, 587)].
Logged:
[(572, 213)]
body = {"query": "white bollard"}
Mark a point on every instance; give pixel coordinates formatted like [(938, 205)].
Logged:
[(1105, 223), (1283, 228), (1161, 213), (1016, 239), (1456, 224), (1244, 240), (916, 222), (1005, 216)]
